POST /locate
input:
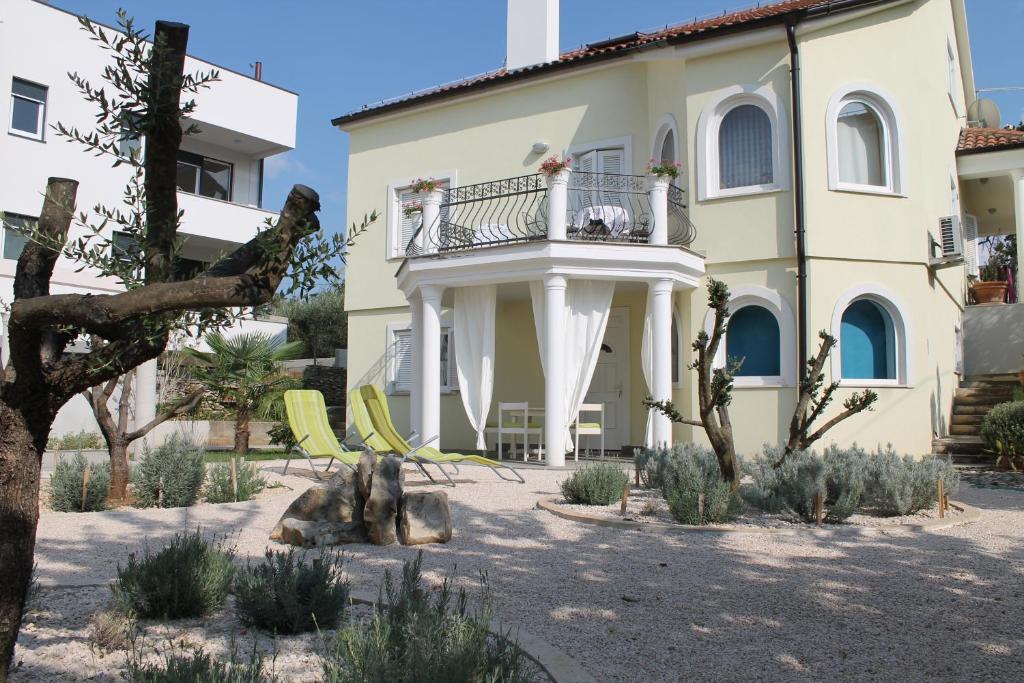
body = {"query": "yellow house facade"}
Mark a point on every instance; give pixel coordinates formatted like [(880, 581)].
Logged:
[(820, 195)]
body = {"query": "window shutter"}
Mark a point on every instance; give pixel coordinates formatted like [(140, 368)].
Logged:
[(407, 225), (610, 161), (971, 244), (402, 363)]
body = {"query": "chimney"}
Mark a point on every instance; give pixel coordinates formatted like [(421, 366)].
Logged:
[(532, 33), (258, 71)]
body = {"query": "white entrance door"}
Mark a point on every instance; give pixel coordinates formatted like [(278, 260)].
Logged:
[(610, 385)]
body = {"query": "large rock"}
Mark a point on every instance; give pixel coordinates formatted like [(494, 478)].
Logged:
[(382, 506), (364, 472), (308, 533), (425, 517), (337, 501)]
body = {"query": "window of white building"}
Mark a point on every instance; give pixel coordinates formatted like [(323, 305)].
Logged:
[(28, 108), (742, 144), (864, 145), (204, 176), (400, 363), (14, 241)]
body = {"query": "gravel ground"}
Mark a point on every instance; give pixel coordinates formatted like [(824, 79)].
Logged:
[(635, 606)]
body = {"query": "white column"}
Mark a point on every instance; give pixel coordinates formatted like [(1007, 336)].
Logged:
[(661, 352), (416, 391), (430, 364), (657, 190), (558, 201), (5, 352), (427, 237), (554, 369), (1018, 210), (145, 396)]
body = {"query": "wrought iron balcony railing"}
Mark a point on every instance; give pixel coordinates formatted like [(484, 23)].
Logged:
[(600, 207)]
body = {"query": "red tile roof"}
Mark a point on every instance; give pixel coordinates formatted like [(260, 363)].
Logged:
[(975, 140), (747, 19)]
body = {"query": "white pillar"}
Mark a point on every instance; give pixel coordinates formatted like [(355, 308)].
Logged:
[(416, 391), (657, 190), (5, 352), (558, 202), (554, 369), (1018, 209), (145, 396), (661, 352), (427, 237), (430, 364)]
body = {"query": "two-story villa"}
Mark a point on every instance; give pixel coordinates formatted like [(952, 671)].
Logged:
[(242, 121), (818, 142)]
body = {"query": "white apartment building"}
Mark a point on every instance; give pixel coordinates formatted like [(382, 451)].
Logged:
[(242, 122)]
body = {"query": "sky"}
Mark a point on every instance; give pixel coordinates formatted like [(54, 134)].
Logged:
[(341, 54)]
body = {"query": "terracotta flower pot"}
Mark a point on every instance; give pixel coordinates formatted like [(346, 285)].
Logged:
[(990, 292)]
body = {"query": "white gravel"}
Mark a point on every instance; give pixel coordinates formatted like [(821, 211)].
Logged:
[(636, 606)]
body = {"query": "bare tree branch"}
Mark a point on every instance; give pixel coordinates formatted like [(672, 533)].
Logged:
[(185, 405)]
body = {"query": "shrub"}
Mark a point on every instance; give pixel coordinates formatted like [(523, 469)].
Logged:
[(190, 577), (75, 442), (196, 666), (840, 476), (693, 486), (595, 485), (284, 595), (111, 629), (424, 636), (250, 482), (281, 434), (1002, 429), (904, 485), (169, 476), (66, 485)]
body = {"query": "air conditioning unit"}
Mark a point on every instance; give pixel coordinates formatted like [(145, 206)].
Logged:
[(950, 237)]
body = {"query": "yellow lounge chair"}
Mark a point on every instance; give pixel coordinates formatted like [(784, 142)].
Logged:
[(370, 408)]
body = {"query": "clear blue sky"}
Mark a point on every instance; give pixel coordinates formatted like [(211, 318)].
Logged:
[(341, 55)]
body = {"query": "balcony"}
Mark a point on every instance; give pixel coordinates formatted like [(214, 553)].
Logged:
[(220, 220), (598, 207)]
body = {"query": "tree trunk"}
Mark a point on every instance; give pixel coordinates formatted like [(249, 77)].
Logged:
[(118, 473), (242, 432), (20, 459)]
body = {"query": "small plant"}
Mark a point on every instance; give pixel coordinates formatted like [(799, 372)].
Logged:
[(694, 489), (66, 484), (169, 476), (247, 476), (281, 435), (284, 595), (905, 485), (595, 485), (553, 165), (424, 636), (196, 666), (83, 440), (1002, 429), (839, 476), (111, 629), (425, 185), (655, 463), (190, 577), (664, 168), (412, 208)]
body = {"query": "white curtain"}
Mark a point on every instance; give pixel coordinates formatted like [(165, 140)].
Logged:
[(587, 305), (647, 366), (861, 156), (745, 147), (474, 357)]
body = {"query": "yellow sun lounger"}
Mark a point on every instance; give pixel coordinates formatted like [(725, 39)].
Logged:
[(374, 424)]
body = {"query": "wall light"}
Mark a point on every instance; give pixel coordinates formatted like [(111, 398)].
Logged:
[(540, 147)]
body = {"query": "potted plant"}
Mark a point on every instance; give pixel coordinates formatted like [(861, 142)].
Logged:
[(412, 209), (553, 166), (664, 169), (425, 185), (1002, 259)]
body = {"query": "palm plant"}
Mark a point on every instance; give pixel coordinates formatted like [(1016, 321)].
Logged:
[(244, 371)]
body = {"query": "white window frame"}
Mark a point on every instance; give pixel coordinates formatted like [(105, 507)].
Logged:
[(42, 111), (884, 106), (953, 75), (393, 250), (900, 319), (392, 387), (665, 125), (755, 295), (680, 365), (708, 125)]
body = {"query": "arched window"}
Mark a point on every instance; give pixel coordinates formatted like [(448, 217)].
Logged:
[(753, 335), (668, 147), (868, 342), (863, 141), (745, 148)]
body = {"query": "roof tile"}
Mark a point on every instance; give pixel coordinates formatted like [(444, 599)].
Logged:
[(974, 140)]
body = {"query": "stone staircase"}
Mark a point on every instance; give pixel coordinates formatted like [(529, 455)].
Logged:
[(971, 402)]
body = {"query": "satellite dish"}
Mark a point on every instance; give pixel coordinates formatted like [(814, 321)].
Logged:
[(984, 113)]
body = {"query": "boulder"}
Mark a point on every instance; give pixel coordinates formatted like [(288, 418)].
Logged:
[(381, 508), (425, 517), (364, 472), (336, 501), (308, 533)]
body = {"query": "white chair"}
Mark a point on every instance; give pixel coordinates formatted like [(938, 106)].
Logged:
[(615, 219), (588, 428), (514, 420)]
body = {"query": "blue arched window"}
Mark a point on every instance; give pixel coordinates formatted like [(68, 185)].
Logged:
[(867, 342), (753, 335)]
